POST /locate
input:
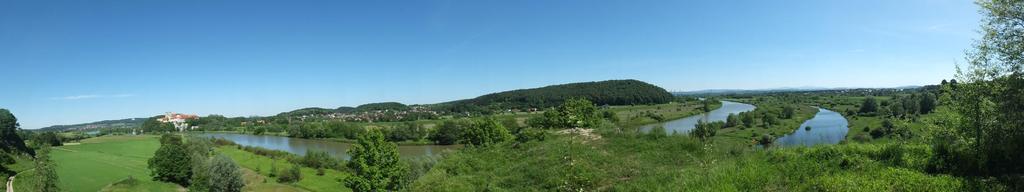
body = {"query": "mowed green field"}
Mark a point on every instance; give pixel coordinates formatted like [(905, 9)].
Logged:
[(98, 162)]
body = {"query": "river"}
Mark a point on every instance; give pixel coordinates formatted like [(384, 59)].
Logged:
[(827, 127), (684, 125), (336, 149)]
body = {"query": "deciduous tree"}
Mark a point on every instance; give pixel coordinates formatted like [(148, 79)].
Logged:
[(375, 164)]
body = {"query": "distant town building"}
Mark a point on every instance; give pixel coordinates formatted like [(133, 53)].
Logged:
[(179, 120)]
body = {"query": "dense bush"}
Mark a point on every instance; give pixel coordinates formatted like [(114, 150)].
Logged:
[(319, 159), (657, 132), (527, 134), (704, 130), (343, 130), (449, 131), (870, 105), (573, 113), (48, 138), (290, 175), (485, 132), (217, 174)]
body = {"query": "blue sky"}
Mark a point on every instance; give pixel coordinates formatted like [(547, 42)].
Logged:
[(65, 62)]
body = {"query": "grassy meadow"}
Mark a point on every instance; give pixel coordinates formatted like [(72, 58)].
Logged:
[(98, 162)]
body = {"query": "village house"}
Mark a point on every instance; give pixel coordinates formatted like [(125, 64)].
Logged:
[(178, 120)]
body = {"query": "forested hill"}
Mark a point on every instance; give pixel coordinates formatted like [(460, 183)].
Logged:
[(611, 92), (120, 123)]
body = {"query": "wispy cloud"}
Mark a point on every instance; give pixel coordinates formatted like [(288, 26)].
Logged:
[(92, 96)]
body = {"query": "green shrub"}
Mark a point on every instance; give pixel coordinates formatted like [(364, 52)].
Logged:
[(291, 175)]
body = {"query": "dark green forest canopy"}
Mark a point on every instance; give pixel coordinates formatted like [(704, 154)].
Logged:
[(611, 92), (309, 111), (393, 106)]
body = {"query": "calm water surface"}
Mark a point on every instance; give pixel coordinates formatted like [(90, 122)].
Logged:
[(336, 149), (827, 127), (684, 125)]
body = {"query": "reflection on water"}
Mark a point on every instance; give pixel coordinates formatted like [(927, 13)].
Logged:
[(300, 146), (827, 127), (684, 125)]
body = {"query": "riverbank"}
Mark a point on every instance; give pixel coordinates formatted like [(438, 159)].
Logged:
[(748, 136), (636, 116)]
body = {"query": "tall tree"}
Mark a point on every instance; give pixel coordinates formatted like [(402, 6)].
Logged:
[(869, 105), (375, 164), (748, 119), (10, 142), (788, 112), (927, 103), (732, 120), (171, 162), (989, 134)]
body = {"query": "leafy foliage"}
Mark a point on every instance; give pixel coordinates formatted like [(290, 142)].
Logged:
[(407, 131), (986, 133), (449, 131), (171, 162), (485, 132), (46, 172), (220, 174), (870, 105), (152, 125), (291, 175), (319, 159), (48, 138), (571, 114), (375, 164), (10, 141), (705, 130)]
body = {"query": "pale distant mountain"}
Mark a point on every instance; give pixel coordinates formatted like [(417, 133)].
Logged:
[(120, 123)]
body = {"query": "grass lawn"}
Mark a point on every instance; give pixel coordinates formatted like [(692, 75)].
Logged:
[(332, 180), (98, 162)]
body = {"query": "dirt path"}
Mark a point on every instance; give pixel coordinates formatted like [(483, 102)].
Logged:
[(10, 184), (10, 180)]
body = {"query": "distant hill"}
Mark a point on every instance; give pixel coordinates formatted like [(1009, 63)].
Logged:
[(611, 92), (715, 92), (308, 111), (393, 106), (120, 123)]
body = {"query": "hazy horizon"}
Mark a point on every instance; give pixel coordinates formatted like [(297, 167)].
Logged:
[(70, 62)]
